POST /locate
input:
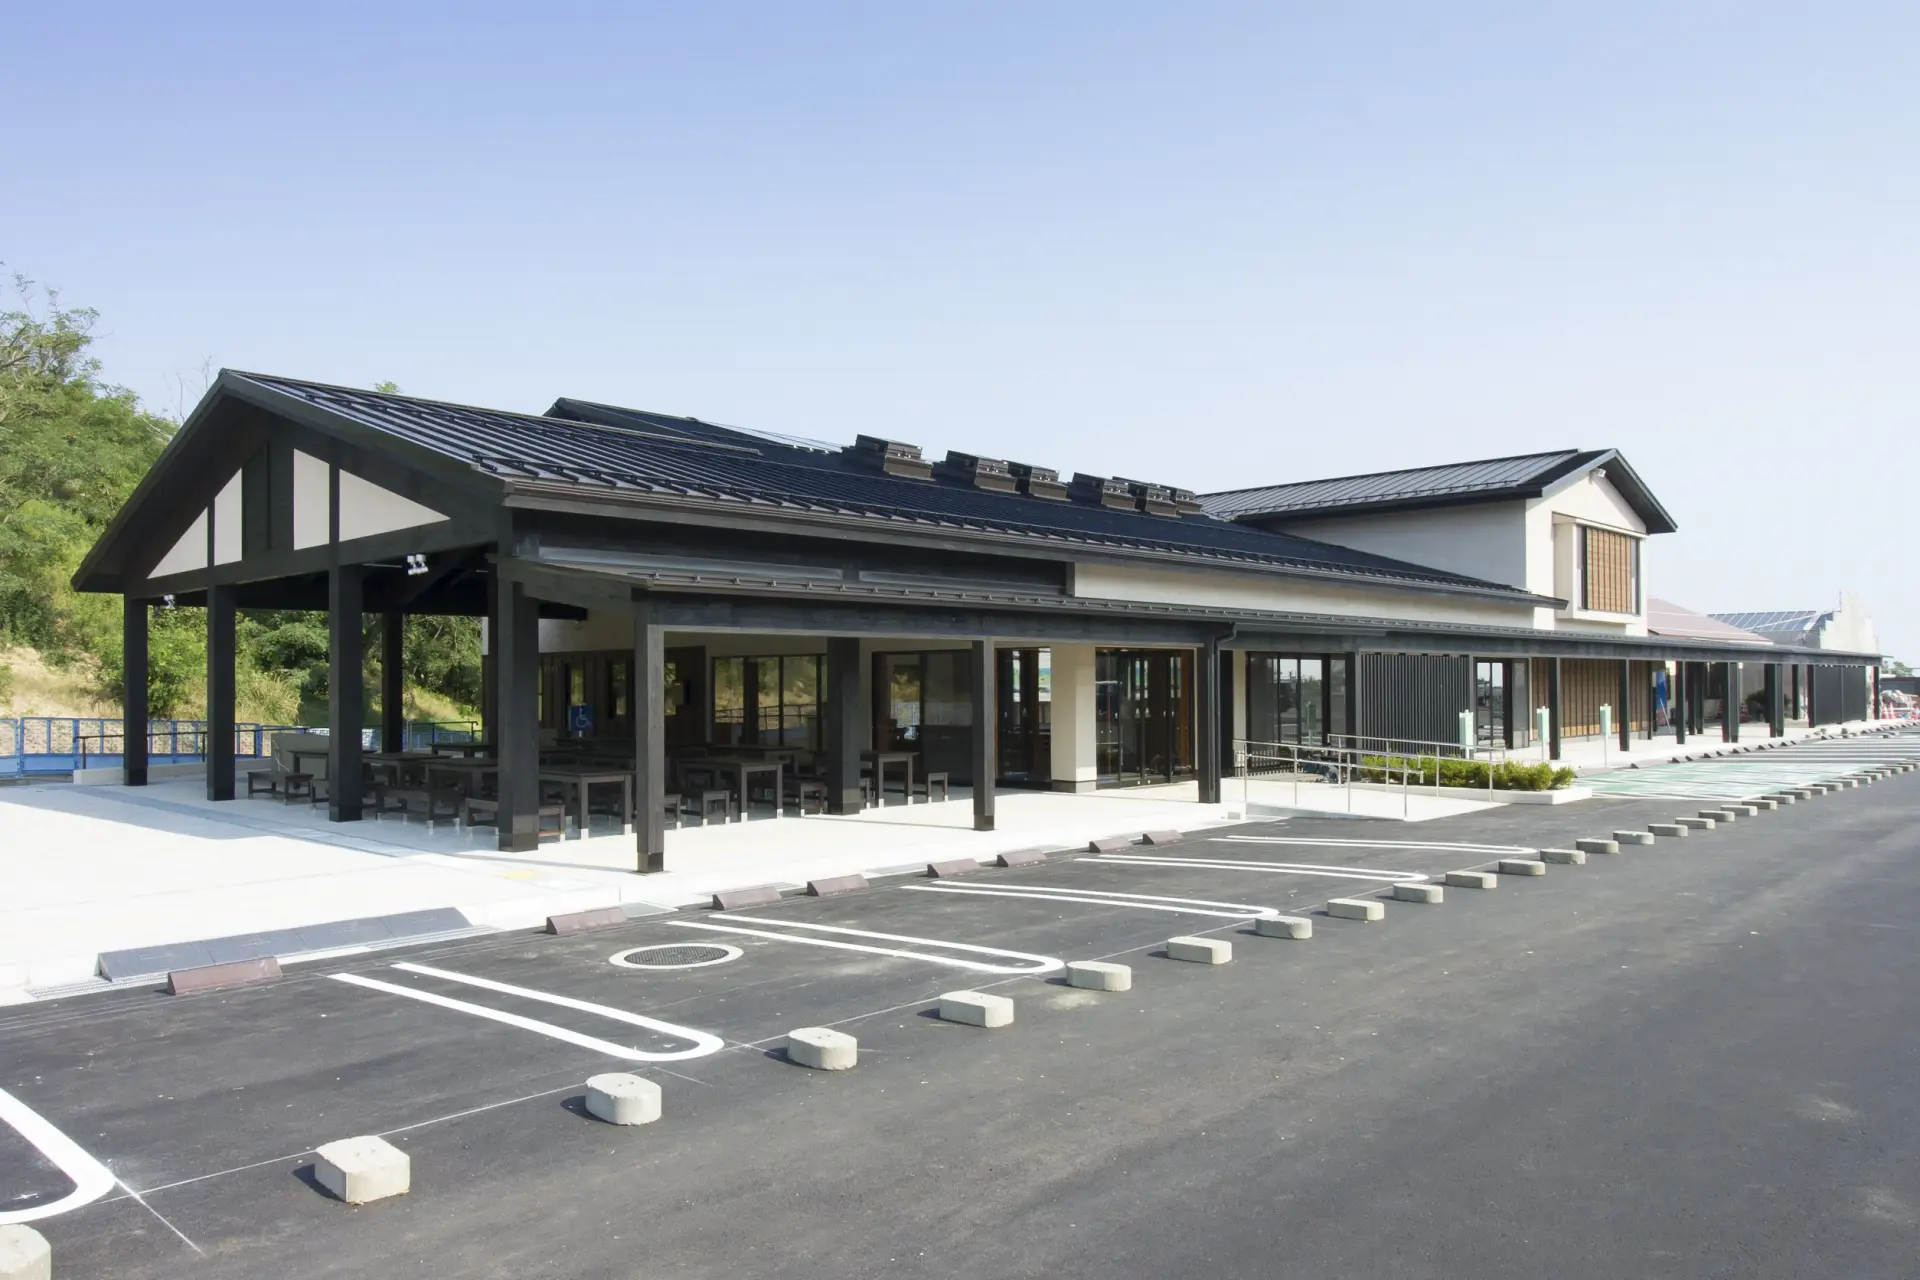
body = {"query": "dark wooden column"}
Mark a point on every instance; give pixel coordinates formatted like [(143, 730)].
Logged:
[(1677, 703), (1730, 705), (346, 691), (517, 743), (1794, 708), (1207, 721), (133, 679), (490, 665), (1776, 703), (649, 740), (1553, 708), (986, 744), (393, 681), (843, 725), (1353, 699), (220, 614), (1623, 710)]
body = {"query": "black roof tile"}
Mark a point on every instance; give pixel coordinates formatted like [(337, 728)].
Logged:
[(595, 447)]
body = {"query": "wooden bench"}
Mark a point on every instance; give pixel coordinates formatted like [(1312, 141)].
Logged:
[(926, 782), (805, 789), (723, 798)]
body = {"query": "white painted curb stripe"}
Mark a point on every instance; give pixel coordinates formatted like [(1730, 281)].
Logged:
[(90, 1178), (703, 1043), (1275, 868), (1095, 898), (1040, 964)]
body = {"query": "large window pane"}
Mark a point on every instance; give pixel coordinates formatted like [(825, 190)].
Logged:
[(729, 699)]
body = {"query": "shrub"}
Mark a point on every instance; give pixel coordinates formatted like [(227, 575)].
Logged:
[(1508, 775)]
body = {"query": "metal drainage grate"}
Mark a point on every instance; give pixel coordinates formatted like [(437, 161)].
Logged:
[(672, 955)]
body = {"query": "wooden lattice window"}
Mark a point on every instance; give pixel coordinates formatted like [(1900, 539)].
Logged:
[(1609, 571)]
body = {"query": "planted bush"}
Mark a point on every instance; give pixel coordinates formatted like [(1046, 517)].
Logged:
[(1508, 775)]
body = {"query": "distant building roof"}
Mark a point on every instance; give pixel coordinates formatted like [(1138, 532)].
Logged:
[(1664, 618), (1529, 475), (1797, 621)]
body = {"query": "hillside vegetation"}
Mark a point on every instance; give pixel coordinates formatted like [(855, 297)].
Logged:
[(72, 447)]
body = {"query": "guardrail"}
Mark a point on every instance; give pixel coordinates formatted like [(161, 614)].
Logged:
[(51, 745), (1338, 765)]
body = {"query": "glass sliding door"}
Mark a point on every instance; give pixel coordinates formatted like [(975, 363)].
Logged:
[(1143, 715)]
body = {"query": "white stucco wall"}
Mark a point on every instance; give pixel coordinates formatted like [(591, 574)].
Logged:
[(1488, 542), (1225, 589), (1850, 628)]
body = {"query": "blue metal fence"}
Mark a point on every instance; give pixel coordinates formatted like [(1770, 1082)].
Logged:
[(61, 744)]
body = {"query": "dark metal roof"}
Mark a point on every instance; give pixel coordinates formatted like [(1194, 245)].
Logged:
[(585, 450), (1528, 475)]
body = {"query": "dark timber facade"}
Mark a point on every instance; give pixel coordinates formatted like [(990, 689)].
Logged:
[(656, 582)]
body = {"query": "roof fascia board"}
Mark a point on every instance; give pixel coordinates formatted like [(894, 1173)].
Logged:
[(1626, 482), (1379, 506), (956, 538)]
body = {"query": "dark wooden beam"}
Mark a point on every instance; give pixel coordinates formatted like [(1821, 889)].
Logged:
[(220, 692), (986, 742), (843, 736), (346, 692), (649, 740), (134, 615), (517, 742), (1207, 722)]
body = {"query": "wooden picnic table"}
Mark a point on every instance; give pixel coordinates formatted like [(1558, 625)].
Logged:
[(397, 762), (466, 772), (467, 749), (880, 760), (743, 769), (578, 781)]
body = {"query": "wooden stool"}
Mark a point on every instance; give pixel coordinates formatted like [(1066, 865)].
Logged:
[(709, 799), (805, 789), (926, 782), (670, 803)]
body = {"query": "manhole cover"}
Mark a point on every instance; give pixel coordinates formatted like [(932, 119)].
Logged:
[(673, 955)]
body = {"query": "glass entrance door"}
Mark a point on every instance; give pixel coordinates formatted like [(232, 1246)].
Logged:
[(1143, 715), (1025, 716)]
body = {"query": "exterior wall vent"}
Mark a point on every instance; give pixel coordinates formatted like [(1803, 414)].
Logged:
[(894, 457), (1100, 489), (981, 473), (1038, 482), (1155, 500), (1186, 503)]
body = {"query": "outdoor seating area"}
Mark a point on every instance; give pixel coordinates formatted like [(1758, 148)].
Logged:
[(581, 780)]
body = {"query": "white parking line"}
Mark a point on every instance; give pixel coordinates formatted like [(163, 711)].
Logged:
[(90, 1178), (1039, 964), (1275, 868), (1101, 898), (703, 1044), (1375, 844)]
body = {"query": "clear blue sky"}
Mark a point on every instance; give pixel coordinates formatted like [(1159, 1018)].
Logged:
[(1212, 244)]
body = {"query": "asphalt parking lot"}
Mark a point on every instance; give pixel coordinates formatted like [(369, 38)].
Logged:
[(1688, 1059)]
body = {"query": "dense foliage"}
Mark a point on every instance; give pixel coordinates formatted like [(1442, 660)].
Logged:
[(72, 447)]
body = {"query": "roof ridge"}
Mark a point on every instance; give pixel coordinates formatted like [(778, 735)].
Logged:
[(1395, 471)]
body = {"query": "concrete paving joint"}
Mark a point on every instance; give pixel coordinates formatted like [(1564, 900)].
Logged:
[(1430, 894), (1473, 879), (822, 1048), (24, 1254), (1597, 845), (1633, 837), (620, 1098), (976, 1009), (1368, 909), (1099, 975), (1296, 927), (1200, 950), (361, 1170), (1521, 867), (1571, 857)]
